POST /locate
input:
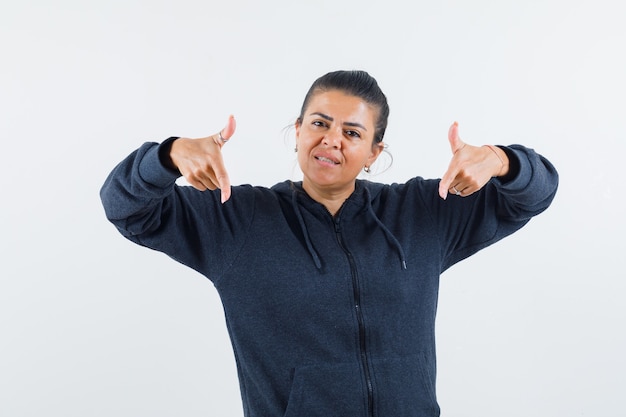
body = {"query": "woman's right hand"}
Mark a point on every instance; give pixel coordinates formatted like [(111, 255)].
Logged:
[(200, 160)]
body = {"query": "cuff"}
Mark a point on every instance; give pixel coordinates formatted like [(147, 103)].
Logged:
[(520, 171), (152, 169)]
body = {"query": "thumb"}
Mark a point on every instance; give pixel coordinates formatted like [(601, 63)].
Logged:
[(453, 137), (229, 129), (226, 133)]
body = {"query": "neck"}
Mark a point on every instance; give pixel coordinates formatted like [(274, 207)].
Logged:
[(330, 198)]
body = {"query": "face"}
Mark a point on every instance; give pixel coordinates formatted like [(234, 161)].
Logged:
[(335, 142)]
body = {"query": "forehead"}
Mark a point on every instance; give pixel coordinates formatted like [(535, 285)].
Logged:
[(339, 105)]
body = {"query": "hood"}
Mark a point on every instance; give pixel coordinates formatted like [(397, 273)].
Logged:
[(364, 194)]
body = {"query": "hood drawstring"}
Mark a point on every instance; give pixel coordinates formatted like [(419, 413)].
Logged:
[(392, 239), (305, 231), (316, 259)]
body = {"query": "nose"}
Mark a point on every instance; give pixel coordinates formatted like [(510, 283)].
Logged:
[(333, 138)]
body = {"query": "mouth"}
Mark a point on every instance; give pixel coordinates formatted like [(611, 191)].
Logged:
[(326, 160)]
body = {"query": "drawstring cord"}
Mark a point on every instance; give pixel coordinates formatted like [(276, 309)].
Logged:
[(390, 236), (305, 232), (316, 259)]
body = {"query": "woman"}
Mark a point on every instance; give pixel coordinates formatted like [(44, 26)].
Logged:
[(329, 285)]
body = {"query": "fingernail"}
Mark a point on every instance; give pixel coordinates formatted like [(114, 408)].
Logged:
[(225, 196)]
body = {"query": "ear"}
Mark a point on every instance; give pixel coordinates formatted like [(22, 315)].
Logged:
[(297, 125), (377, 149)]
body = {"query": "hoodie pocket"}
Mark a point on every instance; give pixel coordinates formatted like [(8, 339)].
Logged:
[(405, 387), (327, 391)]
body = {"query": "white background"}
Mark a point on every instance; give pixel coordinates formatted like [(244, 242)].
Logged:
[(92, 325)]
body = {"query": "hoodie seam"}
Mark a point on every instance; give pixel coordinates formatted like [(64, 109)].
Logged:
[(228, 266), (432, 219)]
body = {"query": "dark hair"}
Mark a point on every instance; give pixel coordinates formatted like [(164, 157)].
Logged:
[(355, 83)]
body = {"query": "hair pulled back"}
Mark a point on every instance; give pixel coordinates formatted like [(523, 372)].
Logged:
[(355, 83)]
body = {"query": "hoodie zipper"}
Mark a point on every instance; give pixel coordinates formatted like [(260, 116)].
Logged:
[(360, 320)]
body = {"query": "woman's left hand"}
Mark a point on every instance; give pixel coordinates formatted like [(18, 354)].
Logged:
[(471, 167)]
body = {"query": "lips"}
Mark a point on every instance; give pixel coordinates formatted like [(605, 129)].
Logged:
[(327, 158)]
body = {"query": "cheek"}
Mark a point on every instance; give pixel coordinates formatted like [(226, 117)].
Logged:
[(301, 156), (364, 153), (305, 139)]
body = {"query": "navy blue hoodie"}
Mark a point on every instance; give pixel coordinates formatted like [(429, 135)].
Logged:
[(328, 315)]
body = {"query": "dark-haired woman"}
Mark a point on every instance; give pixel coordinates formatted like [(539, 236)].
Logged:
[(329, 285)]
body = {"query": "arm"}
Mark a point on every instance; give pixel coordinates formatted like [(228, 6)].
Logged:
[(148, 175), (141, 199), (500, 190)]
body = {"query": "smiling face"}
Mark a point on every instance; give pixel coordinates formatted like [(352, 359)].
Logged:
[(335, 142)]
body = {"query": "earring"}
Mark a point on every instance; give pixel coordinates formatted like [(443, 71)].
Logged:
[(295, 149), (366, 169)]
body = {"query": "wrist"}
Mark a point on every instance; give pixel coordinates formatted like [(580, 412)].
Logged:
[(165, 153), (503, 159)]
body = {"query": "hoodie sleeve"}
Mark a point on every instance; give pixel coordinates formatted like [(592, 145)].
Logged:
[(141, 198), (469, 224)]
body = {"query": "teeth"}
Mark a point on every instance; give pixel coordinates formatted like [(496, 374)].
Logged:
[(321, 158)]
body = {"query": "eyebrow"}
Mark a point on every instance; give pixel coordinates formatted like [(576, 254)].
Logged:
[(330, 119)]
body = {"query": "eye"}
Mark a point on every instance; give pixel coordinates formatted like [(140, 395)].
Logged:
[(319, 123), (353, 134)]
